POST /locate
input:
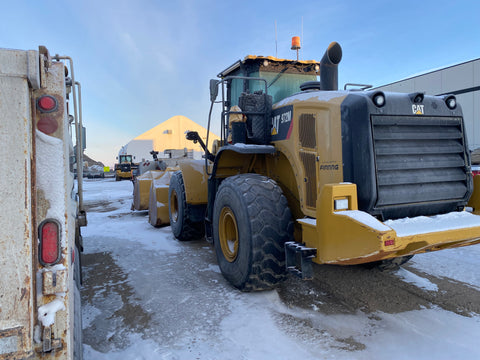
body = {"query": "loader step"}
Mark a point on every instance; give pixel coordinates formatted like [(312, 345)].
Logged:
[(299, 259)]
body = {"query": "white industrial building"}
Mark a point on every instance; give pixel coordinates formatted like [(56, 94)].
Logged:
[(168, 138), (462, 80)]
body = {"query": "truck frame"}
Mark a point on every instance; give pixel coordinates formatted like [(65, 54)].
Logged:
[(42, 209)]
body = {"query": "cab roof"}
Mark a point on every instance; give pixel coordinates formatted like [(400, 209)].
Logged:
[(252, 63)]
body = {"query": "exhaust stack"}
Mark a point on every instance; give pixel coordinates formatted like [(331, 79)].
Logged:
[(329, 67)]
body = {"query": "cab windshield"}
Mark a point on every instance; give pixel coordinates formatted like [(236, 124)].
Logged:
[(279, 85)]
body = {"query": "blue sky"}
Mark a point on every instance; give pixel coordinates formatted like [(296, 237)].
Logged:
[(142, 62)]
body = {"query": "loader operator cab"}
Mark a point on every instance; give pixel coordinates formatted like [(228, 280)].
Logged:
[(283, 77), (248, 90), (125, 159)]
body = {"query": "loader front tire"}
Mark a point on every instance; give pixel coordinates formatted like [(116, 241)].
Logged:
[(183, 228), (251, 222)]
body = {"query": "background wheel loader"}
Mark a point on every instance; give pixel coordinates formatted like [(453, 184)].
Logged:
[(125, 168), (305, 172)]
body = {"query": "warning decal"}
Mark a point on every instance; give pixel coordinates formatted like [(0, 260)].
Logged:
[(282, 123)]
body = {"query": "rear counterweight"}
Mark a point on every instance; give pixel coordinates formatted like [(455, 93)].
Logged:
[(407, 159)]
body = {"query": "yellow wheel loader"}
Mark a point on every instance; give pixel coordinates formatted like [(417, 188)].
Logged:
[(125, 168), (306, 173)]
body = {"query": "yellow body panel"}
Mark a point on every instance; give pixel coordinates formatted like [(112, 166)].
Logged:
[(157, 196), (141, 187), (195, 180), (314, 163), (124, 174), (475, 198), (343, 239)]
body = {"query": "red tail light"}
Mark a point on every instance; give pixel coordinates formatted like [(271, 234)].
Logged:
[(47, 103), (49, 238), (48, 115), (47, 125)]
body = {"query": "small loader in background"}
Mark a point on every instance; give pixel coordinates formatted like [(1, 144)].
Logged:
[(125, 168), (306, 173)]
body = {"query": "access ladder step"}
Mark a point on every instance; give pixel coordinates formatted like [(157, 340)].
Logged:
[(299, 259)]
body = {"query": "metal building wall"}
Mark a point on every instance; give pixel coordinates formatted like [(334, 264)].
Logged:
[(462, 80)]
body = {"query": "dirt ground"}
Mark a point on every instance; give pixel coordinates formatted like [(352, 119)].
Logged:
[(181, 299)]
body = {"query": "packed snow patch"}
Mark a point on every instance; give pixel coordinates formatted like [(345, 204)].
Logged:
[(46, 313), (364, 218), (423, 224), (416, 280)]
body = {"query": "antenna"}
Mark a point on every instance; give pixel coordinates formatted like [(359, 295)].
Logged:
[(276, 48), (302, 33)]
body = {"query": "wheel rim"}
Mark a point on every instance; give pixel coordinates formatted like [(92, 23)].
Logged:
[(174, 206), (228, 234)]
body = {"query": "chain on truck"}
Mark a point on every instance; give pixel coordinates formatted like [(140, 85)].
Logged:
[(42, 210)]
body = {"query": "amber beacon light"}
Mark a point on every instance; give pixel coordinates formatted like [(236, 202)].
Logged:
[(296, 44)]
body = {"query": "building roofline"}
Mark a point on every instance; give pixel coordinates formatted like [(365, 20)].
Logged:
[(429, 72)]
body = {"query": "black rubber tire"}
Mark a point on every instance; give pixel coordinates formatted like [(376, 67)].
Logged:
[(390, 264), (117, 178), (183, 228), (263, 221)]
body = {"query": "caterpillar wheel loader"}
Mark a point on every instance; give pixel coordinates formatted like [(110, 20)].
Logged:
[(306, 173), (125, 168)]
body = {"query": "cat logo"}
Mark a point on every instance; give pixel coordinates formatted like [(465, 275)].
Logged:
[(281, 123), (418, 109)]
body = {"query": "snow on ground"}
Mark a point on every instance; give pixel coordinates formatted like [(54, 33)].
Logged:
[(260, 325), (416, 280), (461, 264), (116, 204)]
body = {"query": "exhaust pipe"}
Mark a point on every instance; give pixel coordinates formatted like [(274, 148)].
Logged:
[(329, 67)]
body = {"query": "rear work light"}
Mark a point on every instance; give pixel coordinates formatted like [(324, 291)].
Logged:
[(340, 204), (49, 251), (451, 102), (47, 103), (379, 99)]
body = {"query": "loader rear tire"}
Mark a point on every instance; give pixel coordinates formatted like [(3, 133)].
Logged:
[(183, 228), (251, 222)]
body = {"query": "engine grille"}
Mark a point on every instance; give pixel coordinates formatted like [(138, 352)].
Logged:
[(419, 159), (125, 167), (307, 132), (308, 160)]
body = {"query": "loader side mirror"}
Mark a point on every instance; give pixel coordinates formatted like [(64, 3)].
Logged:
[(213, 90)]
